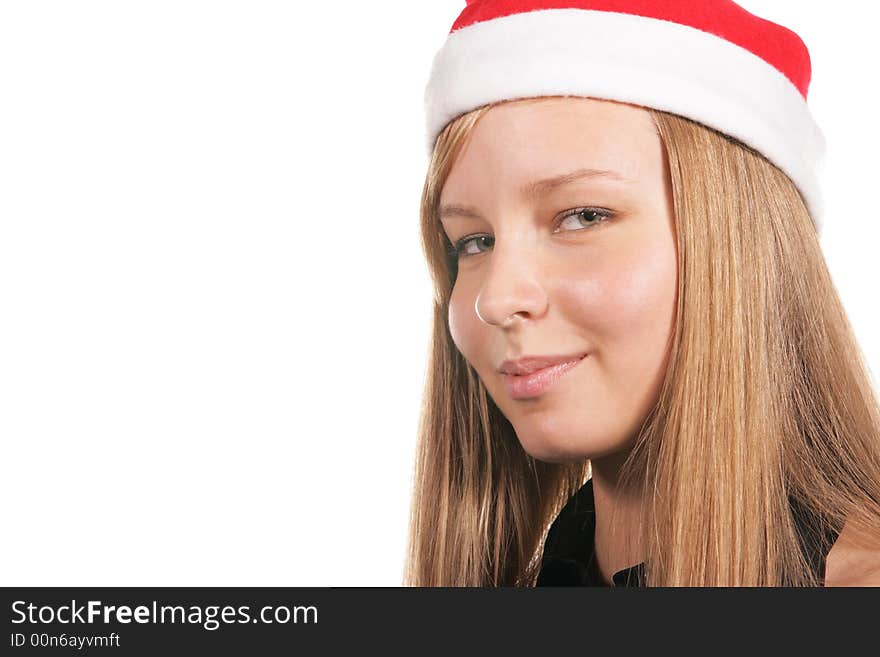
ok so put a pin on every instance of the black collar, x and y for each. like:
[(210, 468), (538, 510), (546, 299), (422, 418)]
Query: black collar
[(569, 557)]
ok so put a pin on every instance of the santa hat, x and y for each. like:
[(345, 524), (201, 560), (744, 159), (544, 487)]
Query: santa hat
[(711, 61)]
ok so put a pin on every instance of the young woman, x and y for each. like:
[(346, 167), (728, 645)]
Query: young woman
[(637, 344)]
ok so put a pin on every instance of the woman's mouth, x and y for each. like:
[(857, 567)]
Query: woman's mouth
[(537, 383)]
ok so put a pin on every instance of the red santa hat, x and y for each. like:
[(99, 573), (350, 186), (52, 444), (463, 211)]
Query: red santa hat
[(711, 61)]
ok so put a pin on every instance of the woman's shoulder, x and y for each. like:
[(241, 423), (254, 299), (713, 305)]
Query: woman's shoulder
[(854, 559)]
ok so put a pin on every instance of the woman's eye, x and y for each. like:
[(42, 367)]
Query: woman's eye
[(580, 219), (460, 249), (585, 217)]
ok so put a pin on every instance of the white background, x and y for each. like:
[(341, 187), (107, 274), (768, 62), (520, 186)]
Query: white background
[(214, 310)]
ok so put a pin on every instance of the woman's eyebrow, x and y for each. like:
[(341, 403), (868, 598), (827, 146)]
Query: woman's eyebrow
[(541, 187)]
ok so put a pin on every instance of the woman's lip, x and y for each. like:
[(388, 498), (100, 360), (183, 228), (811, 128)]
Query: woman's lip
[(538, 382)]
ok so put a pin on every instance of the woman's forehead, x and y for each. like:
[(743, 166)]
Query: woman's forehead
[(521, 142)]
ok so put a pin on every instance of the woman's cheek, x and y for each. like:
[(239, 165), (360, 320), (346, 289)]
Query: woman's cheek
[(462, 323), (621, 298)]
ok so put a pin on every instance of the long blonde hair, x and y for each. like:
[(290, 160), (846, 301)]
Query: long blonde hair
[(766, 400)]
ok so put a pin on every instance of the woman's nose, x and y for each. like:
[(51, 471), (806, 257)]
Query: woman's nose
[(512, 287)]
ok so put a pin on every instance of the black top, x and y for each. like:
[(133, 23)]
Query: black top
[(569, 558)]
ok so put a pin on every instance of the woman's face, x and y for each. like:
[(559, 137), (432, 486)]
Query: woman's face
[(586, 266)]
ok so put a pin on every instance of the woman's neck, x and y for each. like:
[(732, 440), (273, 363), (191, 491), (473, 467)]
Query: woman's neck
[(617, 518)]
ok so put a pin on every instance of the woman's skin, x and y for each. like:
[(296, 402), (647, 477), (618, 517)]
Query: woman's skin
[(605, 287), (854, 560)]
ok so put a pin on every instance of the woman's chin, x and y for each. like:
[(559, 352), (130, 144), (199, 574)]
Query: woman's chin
[(550, 452), (552, 448)]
